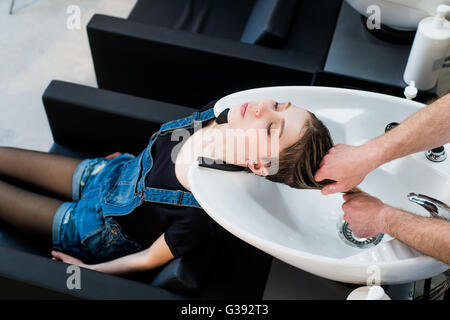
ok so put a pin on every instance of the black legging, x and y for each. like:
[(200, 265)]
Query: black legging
[(27, 210)]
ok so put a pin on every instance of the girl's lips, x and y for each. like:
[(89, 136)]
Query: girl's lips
[(243, 109)]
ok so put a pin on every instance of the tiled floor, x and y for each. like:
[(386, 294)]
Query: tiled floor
[(36, 46)]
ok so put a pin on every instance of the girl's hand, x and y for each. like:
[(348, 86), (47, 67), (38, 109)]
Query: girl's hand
[(113, 155), (59, 256)]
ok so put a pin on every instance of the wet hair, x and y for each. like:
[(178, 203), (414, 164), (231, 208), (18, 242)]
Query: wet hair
[(298, 163)]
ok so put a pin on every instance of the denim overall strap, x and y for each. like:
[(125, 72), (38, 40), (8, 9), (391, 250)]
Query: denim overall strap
[(174, 197), (186, 122), (165, 196)]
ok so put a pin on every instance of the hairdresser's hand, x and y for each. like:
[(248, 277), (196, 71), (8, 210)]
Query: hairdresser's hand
[(59, 256), (113, 155), (347, 165), (365, 214)]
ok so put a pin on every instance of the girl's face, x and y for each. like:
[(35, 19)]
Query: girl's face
[(282, 121)]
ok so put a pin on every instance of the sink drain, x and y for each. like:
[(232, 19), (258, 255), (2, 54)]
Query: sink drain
[(346, 234)]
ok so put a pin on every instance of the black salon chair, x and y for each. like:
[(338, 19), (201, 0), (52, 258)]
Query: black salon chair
[(90, 122), (191, 52)]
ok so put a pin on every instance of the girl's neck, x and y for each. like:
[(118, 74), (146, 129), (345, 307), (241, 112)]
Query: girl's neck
[(214, 146)]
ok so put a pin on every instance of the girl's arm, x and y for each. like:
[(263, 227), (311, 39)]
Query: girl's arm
[(157, 255)]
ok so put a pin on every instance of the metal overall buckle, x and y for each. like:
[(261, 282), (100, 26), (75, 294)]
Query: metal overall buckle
[(153, 136)]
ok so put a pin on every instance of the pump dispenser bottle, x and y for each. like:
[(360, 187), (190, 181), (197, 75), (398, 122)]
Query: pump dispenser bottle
[(429, 50)]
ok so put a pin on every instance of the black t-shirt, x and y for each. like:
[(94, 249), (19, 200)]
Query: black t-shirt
[(184, 228)]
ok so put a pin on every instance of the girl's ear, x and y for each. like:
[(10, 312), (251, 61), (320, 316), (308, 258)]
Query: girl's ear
[(258, 168)]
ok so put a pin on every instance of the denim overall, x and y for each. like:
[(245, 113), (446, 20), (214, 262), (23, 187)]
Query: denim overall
[(103, 189)]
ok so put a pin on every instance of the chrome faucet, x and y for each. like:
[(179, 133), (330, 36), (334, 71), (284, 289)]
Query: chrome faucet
[(436, 208), (437, 154)]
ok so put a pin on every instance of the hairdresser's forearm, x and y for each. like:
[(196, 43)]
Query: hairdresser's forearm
[(430, 236), (427, 129)]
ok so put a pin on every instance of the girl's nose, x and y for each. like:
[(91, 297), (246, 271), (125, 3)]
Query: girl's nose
[(258, 111)]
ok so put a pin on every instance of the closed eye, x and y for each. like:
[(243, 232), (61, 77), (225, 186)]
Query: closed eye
[(275, 106), (269, 128)]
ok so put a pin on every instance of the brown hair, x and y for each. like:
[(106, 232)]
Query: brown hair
[(298, 163)]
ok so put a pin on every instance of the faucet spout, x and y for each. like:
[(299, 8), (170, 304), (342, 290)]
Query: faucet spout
[(436, 208)]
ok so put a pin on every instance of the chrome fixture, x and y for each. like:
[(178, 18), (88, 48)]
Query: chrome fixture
[(346, 235), (436, 208), (390, 126), (437, 154)]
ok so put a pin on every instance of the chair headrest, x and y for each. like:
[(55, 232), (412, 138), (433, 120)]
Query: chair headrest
[(269, 22)]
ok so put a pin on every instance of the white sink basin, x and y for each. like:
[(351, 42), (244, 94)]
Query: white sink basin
[(399, 14), (300, 227)]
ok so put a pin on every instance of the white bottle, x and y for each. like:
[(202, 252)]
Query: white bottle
[(368, 293), (430, 48), (410, 91)]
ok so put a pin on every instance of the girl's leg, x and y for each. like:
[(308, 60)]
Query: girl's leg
[(26, 210), (50, 171)]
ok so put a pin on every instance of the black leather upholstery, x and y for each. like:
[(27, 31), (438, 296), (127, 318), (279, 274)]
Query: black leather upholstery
[(217, 18), (185, 274), (270, 22)]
